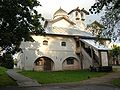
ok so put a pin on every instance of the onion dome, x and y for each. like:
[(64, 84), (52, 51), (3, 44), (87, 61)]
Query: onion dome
[(60, 13)]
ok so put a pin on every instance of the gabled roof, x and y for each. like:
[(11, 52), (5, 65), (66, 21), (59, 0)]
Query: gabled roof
[(77, 9), (98, 24), (60, 18), (86, 12)]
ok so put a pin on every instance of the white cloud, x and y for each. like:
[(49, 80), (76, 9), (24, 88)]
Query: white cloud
[(50, 6)]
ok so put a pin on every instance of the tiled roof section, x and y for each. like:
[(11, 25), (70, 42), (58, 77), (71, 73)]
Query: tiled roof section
[(67, 31)]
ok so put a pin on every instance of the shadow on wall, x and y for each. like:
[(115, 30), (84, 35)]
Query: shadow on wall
[(29, 52)]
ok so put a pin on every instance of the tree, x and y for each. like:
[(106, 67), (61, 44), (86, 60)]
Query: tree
[(115, 53), (112, 14), (18, 19), (7, 61)]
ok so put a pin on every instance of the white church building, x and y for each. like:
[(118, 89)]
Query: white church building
[(66, 45)]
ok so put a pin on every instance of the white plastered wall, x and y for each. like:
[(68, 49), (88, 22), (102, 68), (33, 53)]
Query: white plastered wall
[(62, 23), (54, 51)]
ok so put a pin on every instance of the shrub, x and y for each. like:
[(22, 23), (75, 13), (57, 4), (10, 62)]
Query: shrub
[(7, 61)]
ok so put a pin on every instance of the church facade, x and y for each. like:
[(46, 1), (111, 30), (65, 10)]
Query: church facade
[(66, 45)]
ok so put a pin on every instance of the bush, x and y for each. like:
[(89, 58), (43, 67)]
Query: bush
[(7, 61), (101, 69)]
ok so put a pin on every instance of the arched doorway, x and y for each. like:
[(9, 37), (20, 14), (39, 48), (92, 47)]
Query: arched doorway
[(43, 64), (70, 63)]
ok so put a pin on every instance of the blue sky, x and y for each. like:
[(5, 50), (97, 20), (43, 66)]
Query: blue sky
[(50, 6)]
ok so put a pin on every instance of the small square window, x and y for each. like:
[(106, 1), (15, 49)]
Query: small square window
[(45, 42), (63, 43), (70, 61)]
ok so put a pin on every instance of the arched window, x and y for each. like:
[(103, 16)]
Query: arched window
[(45, 42), (63, 43), (70, 61)]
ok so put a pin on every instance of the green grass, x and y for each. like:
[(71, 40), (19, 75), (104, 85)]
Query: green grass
[(61, 76), (5, 80), (116, 82)]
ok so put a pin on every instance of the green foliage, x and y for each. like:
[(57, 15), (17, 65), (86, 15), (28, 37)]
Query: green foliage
[(111, 17), (2, 70), (5, 80), (61, 76), (116, 82), (115, 52), (100, 4), (7, 61), (17, 19)]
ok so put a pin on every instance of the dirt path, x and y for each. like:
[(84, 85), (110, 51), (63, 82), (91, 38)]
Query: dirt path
[(102, 80)]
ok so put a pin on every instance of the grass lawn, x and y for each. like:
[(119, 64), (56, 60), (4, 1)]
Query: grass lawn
[(116, 82), (5, 80), (61, 76)]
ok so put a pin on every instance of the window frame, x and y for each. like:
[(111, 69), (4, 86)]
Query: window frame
[(63, 44), (45, 42), (70, 61)]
